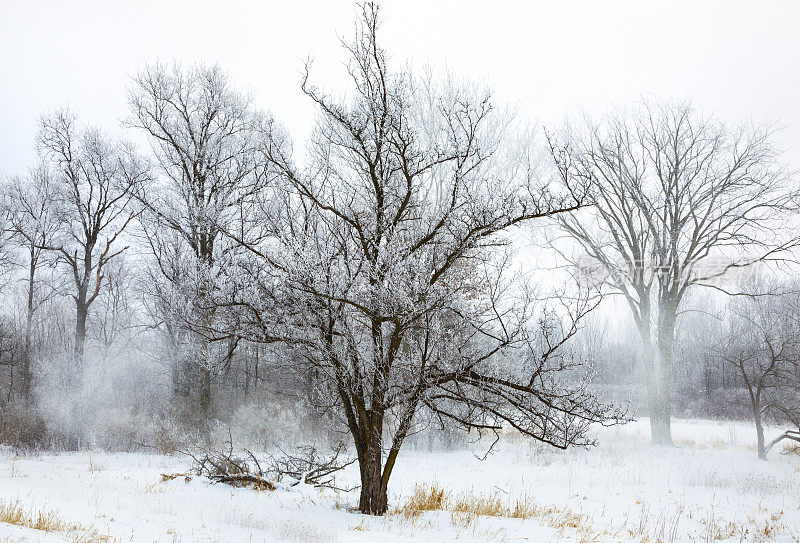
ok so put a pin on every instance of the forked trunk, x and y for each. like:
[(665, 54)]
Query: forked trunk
[(659, 418), (373, 499)]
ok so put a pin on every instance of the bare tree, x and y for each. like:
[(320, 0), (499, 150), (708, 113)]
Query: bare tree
[(34, 225), (208, 142), (680, 200), (93, 181), (385, 270), (762, 344)]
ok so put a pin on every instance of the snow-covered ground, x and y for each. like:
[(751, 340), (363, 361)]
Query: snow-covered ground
[(710, 487)]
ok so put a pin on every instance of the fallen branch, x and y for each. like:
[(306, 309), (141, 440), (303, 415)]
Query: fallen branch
[(246, 479), (309, 467), (305, 466), (793, 435)]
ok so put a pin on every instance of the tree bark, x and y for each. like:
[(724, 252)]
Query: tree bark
[(373, 499), (81, 313), (662, 430), (762, 453)]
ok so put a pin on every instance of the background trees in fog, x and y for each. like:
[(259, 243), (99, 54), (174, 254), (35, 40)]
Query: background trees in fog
[(30, 204), (762, 345), (208, 142), (679, 201), (94, 178)]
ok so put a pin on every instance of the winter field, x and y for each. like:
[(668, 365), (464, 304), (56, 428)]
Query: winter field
[(711, 487)]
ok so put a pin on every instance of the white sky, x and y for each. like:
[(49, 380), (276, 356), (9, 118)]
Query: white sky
[(548, 58)]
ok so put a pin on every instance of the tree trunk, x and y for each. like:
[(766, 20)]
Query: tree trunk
[(659, 429), (373, 499), (653, 403), (762, 453), (662, 434), (205, 364), (204, 393), (81, 313), (661, 420), (28, 354), (754, 390)]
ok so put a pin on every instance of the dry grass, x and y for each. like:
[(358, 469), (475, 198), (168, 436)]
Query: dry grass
[(49, 522), (481, 505), (761, 527), (425, 498), (360, 527), (467, 507)]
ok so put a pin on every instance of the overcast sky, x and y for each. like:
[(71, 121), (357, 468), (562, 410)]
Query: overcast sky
[(548, 59)]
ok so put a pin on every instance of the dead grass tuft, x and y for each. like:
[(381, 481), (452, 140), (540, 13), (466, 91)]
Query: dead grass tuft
[(467, 507), (49, 522), (425, 498), (482, 505)]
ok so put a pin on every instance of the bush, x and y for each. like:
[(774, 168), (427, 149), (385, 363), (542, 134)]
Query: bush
[(22, 429)]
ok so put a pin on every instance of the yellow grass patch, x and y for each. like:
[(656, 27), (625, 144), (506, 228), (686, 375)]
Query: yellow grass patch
[(48, 521), (425, 498), (467, 507)]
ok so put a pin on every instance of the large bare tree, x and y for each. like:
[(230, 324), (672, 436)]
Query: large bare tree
[(385, 269), (680, 200)]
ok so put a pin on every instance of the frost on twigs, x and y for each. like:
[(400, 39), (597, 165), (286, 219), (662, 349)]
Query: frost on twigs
[(306, 465)]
